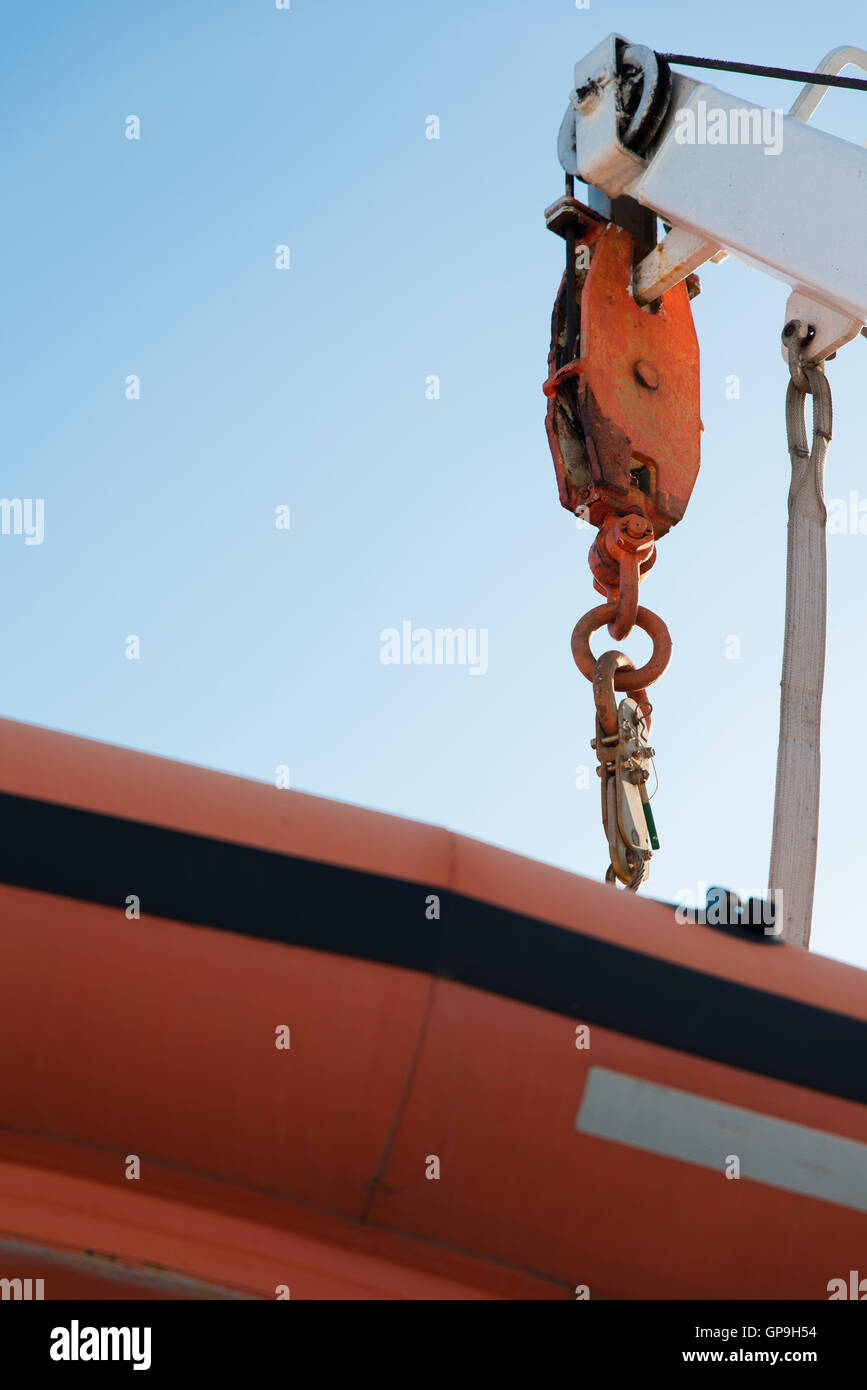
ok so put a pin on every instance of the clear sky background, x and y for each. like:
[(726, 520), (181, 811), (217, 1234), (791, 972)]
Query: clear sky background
[(306, 387)]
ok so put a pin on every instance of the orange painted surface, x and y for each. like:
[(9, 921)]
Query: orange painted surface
[(306, 1167), (496, 1094)]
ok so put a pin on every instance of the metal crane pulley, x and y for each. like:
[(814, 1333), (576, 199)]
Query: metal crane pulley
[(623, 381)]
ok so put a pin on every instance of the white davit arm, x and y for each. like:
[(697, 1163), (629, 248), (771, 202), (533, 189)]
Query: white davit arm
[(727, 177)]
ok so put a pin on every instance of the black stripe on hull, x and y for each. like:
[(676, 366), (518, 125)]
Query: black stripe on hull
[(279, 897)]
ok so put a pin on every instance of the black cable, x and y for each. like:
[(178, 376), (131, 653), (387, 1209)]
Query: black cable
[(787, 74)]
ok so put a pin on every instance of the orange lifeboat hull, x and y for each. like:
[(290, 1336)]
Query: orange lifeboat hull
[(263, 1045)]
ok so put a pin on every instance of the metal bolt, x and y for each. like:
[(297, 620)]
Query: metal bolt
[(636, 526), (647, 374), (794, 327)]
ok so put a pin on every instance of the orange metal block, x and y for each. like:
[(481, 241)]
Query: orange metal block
[(636, 396)]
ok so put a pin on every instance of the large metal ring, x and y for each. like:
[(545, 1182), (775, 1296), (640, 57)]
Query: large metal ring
[(624, 679)]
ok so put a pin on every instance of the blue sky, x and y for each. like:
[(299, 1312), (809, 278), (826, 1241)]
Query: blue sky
[(306, 387)]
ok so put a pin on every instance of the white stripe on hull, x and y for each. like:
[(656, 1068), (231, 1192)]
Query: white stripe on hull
[(678, 1124)]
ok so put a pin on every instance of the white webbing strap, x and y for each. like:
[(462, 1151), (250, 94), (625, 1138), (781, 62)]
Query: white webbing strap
[(796, 807)]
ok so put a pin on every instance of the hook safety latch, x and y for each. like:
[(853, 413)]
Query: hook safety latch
[(624, 752)]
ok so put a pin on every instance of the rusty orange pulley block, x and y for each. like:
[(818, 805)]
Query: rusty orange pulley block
[(624, 429)]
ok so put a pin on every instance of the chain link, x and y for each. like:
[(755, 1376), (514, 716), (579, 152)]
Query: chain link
[(621, 742)]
